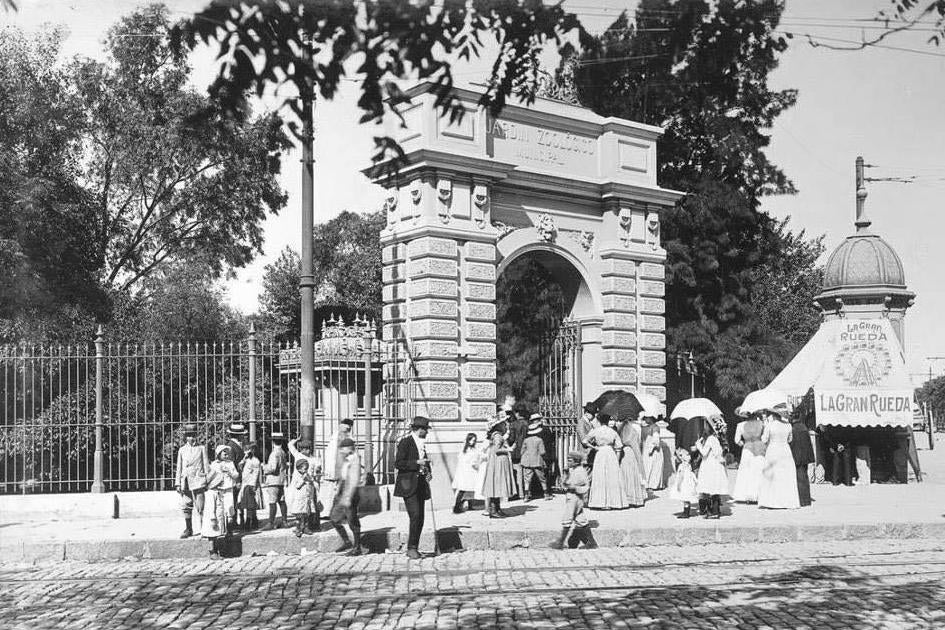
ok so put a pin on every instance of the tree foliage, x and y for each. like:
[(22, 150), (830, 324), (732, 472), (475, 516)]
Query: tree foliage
[(262, 45), (932, 393), (700, 70)]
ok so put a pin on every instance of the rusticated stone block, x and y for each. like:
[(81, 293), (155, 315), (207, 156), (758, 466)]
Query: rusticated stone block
[(618, 376), (479, 391), (433, 329), (619, 357), (618, 267), (394, 312), (654, 341), (432, 246), (395, 252), (432, 267), (654, 377), (653, 305), (617, 302), (479, 411), (619, 321), (658, 392), (432, 287), (481, 350), (652, 271), (394, 292), (479, 291), (617, 284), (441, 411), (441, 370), (479, 330), (435, 390), (618, 339), (393, 273), (653, 322), (479, 271), (480, 251), (433, 308), (479, 310), (435, 349), (652, 358), (476, 371), (652, 287)]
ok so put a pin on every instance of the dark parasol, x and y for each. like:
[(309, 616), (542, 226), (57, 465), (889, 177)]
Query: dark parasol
[(619, 405)]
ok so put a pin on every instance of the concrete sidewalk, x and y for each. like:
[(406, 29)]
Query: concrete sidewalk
[(51, 527)]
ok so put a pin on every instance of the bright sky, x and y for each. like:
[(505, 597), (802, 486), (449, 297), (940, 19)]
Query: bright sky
[(883, 104)]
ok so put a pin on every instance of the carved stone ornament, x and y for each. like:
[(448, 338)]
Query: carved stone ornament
[(416, 191), (625, 221), (444, 194), (503, 228), (653, 229), (547, 230), (587, 240), (480, 199), (390, 203)]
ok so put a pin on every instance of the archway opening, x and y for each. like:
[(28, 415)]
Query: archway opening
[(539, 295)]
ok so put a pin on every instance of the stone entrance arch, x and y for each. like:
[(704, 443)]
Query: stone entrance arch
[(475, 194)]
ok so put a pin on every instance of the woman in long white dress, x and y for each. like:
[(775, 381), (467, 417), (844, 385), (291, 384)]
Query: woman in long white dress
[(751, 467), (652, 456), (607, 487), (778, 488), (632, 464), (712, 480)]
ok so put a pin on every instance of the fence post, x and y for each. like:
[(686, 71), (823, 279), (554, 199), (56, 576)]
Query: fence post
[(368, 404), (252, 383), (98, 481)]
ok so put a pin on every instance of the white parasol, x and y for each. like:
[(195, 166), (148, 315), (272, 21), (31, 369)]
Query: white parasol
[(694, 408), (652, 407), (766, 400)]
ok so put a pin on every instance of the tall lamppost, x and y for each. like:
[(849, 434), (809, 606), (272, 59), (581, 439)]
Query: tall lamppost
[(307, 278), (686, 361)]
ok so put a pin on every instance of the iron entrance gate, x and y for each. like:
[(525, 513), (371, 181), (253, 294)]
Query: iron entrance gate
[(559, 400)]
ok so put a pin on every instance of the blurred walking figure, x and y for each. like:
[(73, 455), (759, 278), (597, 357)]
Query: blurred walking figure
[(576, 487), (193, 466), (347, 497)]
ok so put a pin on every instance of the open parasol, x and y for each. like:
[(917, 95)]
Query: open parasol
[(694, 408), (765, 400), (619, 405), (652, 407)]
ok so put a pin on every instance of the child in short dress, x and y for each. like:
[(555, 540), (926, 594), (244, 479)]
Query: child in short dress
[(302, 499), (218, 510), (577, 485), (250, 487), (466, 480), (682, 485)]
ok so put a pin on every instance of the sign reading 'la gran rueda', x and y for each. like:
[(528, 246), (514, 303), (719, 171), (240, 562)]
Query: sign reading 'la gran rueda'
[(543, 148)]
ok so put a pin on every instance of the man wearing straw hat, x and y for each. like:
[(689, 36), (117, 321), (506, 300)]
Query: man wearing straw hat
[(193, 466), (413, 483)]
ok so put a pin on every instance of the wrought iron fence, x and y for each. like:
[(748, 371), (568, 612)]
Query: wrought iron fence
[(560, 397), (125, 404)]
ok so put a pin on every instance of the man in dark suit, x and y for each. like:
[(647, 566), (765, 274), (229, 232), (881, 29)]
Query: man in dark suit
[(413, 468), (803, 451)]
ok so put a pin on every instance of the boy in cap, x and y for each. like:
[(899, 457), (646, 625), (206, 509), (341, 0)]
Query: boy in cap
[(193, 466), (344, 505), (576, 485), (274, 479), (533, 457)]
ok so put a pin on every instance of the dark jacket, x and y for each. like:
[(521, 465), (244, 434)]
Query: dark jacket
[(801, 446), (548, 437), (519, 431), (687, 432), (410, 480)]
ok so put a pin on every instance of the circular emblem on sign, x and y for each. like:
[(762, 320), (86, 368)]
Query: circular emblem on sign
[(863, 365)]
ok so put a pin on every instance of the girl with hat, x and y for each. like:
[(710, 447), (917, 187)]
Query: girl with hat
[(533, 457), (498, 482), (219, 506), (682, 485), (712, 481)]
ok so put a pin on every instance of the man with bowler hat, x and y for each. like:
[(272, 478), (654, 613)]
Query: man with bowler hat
[(412, 483), (193, 466)]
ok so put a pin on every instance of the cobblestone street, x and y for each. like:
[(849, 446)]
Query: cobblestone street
[(861, 584)]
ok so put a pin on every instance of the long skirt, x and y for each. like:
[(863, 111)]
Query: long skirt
[(607, 486), (631, 476), (653, 469), (217, 509), (779, 480), (498, 482), (748, 480), (803, 485)]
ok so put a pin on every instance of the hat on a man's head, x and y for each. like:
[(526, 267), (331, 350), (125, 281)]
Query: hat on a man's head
[(345, 443), (347, 421), (591, 408), (419, 422), (190, 429), (534, 424), (236, 428), (277, 436)]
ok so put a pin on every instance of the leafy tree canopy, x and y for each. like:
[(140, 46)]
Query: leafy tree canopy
[(263, 44)]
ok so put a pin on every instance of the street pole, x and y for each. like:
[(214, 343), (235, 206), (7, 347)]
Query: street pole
[(98, 473), (692, 376), (307, 279), (369, 404), (252, 383)]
